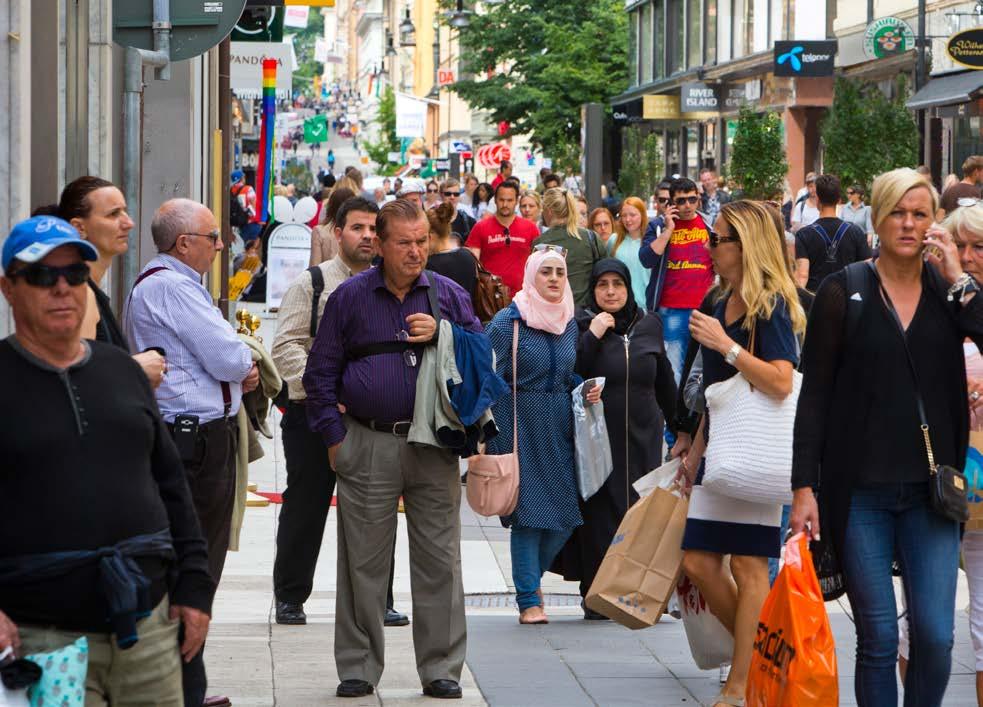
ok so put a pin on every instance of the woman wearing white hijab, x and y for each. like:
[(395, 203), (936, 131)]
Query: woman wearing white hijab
[(547, 511)]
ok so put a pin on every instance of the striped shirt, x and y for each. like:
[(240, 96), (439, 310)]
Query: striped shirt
[(380, 387), (172, 310), (292, 344)]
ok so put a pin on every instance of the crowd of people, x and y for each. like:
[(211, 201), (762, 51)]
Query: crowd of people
[(867, 313)]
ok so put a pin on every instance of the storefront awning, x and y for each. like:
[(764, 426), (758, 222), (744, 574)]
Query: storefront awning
[(947, 90)]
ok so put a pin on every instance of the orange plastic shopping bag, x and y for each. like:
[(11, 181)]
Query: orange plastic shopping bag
[(794, 661)]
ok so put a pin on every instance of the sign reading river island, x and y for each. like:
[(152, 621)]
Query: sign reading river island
[(966, 48)]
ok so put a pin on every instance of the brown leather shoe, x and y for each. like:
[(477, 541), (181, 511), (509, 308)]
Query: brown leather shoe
[(217, 701)]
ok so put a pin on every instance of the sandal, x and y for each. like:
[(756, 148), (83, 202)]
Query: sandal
[(723, 699), (539, 616)]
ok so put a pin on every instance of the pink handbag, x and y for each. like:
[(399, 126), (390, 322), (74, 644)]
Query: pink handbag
[(493, 479)]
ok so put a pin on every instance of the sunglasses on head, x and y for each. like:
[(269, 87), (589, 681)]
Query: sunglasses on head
[(716, 240), (39, 275), (968, 201), (683, 200), (549, 248)]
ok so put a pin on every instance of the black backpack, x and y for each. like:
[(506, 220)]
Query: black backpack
[(238, 216)]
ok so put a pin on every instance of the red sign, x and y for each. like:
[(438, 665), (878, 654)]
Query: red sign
[(492, 156), (445, 77)]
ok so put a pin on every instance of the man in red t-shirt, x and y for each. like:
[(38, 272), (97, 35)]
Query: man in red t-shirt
[(685, 269), (504, 172), (503, 243)]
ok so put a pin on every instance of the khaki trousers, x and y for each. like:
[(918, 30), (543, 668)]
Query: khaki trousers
[(374, 469), (148, 673)]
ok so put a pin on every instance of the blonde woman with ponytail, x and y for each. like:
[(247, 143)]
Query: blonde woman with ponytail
[(749, 256), (581, 247)]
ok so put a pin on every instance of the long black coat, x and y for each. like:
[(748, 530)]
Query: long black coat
[(639, 394)]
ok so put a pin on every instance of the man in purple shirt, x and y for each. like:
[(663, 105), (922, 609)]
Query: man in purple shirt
[(364, 362)]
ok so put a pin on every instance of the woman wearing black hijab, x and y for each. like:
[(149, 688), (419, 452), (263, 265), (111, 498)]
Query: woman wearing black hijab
[(623, 343)]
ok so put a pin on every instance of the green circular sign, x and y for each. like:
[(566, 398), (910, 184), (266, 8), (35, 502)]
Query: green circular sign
[(196, 25), (888, 36)]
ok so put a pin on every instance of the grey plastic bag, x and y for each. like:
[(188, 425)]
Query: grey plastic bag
[(590, 435)]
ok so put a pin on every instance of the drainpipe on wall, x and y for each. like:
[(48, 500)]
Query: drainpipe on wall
[(133, 65)]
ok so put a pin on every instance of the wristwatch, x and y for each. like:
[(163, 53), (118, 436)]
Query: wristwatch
[(964, 286), (731, 356)]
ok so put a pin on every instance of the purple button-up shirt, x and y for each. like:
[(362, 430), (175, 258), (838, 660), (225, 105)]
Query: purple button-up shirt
[(380, 387)]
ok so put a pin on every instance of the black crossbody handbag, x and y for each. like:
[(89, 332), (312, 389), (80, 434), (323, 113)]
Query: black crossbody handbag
[(946, 485)]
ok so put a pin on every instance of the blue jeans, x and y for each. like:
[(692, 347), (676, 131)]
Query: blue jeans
[(885, 522), (533, 550), (675, 332), (773, 561)]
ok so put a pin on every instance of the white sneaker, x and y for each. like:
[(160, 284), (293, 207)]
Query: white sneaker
[(724, 673)]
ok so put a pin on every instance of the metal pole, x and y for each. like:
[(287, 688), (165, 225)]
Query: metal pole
[(922, 41), (135, 60), (225, 125)]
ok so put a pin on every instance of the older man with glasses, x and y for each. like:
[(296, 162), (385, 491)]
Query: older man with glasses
[(450, 190), (365, 361), (209, 370)]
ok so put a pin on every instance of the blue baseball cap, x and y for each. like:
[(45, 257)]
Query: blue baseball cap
[(35, 237), (237, 175)]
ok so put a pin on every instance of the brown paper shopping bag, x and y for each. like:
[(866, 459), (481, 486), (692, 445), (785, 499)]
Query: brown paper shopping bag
[(642, 564)]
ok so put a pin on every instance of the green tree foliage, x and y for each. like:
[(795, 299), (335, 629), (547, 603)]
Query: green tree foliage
[(532, 63), (757, 160), (866, 133), (385, 121), (641, 163)]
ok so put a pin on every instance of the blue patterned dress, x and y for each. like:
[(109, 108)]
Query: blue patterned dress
[(547, 479)]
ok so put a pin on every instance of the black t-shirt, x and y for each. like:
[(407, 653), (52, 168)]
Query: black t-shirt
[(88, 462), (825, 258), (458, 265), (107, 328)]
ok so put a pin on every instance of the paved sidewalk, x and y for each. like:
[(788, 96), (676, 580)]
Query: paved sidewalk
[(568, 663)]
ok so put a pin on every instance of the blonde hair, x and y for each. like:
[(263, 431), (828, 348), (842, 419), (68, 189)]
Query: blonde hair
[(765, 265), (619, 228), (890, 188), (965, 218), (561, 205), (348, 183)]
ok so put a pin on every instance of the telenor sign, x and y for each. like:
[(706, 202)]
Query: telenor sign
[(966, 48), (807, 58)]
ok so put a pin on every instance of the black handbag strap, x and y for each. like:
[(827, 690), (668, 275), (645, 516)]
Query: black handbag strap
[(317, 281), (922, 417)]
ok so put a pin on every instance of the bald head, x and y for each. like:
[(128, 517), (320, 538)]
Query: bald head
[(176, 217)]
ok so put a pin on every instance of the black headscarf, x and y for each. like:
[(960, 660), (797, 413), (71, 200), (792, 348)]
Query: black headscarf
[(626, 316)]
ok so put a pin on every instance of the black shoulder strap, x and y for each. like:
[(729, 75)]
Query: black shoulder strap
[(433, 294), (317, 279), (856, 288)]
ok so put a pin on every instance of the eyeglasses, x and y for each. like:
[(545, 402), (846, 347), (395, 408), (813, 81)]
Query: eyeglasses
[(449, 194), (662, 199), (38, 275), (716, 240), (508, 239), (431, 191), (683, 200), (549, 248), (409, 355), (214, 235)]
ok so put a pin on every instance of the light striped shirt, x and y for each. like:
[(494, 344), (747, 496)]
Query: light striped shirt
[(172, 310)]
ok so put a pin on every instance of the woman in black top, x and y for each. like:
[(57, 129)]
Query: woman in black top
[(858, 437), (447, 258), (622, 343), (97, 210)]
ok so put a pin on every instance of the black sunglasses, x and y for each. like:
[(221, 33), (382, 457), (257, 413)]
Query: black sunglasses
[(683, 200), (431, 191), (508, 239), (716, 240), (663, 199), (38, 275), (449, 194)]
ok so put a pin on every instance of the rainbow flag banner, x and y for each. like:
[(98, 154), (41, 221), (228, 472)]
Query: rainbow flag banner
[(264, 170)]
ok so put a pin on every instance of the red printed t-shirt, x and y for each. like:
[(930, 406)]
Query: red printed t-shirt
[(506, 261), (689, 273)]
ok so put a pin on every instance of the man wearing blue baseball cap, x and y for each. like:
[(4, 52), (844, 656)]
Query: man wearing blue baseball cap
[(109, 548)]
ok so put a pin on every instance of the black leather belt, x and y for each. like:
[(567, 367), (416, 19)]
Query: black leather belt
[(400, 429)]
